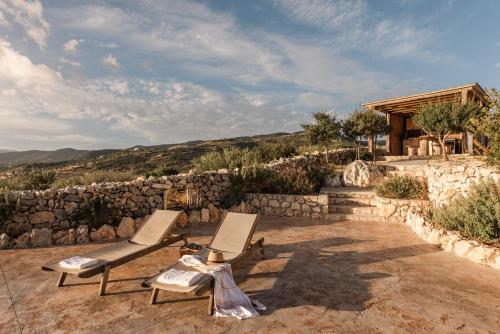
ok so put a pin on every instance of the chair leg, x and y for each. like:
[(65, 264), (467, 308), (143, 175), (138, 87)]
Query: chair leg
[(185, 239), (211, 298), (62, 277), (261, 246), (154, 295), (104, 280)]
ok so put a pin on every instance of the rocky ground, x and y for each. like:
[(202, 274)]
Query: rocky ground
[(319, 277)]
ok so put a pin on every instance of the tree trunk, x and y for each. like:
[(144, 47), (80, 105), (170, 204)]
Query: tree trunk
[(374, 147), (443, 147), (326, 154), (370, 144), (358, 148)]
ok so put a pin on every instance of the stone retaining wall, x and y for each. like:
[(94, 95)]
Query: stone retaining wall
[(396, 210), (453, 242), (313, 206), (445, 180), (43, 217)]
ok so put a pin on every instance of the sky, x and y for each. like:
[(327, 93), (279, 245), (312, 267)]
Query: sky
[(114, 74)]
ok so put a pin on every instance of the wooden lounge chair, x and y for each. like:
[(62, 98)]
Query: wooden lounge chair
[(153, 235), (233, 239)]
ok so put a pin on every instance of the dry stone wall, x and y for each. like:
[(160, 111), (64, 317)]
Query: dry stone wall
[(313, 206), (453, 242), (445, 180), (42, 218), (396, 210)]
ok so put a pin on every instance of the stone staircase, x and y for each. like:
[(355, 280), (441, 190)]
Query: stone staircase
[(352, 203)]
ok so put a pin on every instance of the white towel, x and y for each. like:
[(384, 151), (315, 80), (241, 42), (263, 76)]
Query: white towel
[(78, 262), (229, 300), (180, 277)]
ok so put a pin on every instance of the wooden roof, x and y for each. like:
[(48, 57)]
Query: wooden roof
[(412, 103)]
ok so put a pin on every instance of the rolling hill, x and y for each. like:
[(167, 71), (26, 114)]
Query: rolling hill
[(137, 159)]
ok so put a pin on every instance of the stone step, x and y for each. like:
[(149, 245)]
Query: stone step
[(354, 217), (370, 194), (358, 210), (332, 201)]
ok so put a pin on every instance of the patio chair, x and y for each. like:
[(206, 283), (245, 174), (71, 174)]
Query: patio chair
[(153, 235), (233, 239)]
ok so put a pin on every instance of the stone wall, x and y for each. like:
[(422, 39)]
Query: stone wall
[(453, 242), (45, 217), (396, 210), (445, 180), (313, 206)]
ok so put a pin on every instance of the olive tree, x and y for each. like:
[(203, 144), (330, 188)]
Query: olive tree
[(488, 124), (444, 118), (325, 131), (365, 123)]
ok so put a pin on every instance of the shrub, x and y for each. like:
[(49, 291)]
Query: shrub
[(235, 194), (6, 206), (162, 171), (97, 211), (475, 216), (293, 181), (210, 161), (402, 187), (366, 156), (39, 179), (234, 157)]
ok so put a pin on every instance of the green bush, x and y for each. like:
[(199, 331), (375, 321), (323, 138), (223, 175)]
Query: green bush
[(6, 207), (210, 161), (402, 187), (293, 181), (39, 179), (97, 211), (234, 157), (162, 171), (475, 216), (366, 156)]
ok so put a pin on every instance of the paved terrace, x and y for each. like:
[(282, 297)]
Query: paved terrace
[(343, 277)]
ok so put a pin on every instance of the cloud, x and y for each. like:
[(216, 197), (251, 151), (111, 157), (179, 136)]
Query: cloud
[(111, 62), (71, 45), (28, 15), (497, 65), (353, 25), (65, 60), (323, 13), (39, 101)]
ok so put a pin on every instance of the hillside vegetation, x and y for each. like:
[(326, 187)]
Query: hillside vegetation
[(82, 165)]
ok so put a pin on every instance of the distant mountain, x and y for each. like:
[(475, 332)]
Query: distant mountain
[(12, 158), (6, 151), (138, 158)]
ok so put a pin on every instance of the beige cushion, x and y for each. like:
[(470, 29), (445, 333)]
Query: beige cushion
[(234, 233), (156, 227)]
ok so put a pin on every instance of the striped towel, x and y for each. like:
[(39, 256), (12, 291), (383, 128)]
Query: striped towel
[(229, 300)]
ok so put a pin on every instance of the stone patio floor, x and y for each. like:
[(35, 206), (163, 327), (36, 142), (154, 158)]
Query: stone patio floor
[(319, 277)]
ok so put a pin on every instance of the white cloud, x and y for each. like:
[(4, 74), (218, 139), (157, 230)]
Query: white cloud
[(111, 62), (65, 60), (27, 14), (353, 25), (71, 45), (323, 13), (39, 101)]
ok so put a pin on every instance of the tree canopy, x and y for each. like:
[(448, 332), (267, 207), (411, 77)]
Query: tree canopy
[(325, 131), (443, 118)]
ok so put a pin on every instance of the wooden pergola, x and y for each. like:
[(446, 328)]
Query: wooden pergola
[(405, 139)]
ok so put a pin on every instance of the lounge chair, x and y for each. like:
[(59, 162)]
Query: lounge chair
[(153, 235), (233, 239)]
